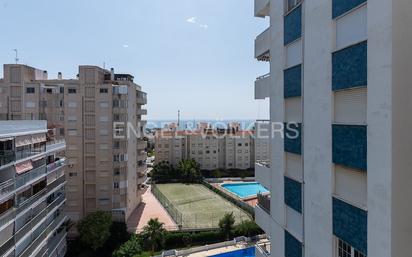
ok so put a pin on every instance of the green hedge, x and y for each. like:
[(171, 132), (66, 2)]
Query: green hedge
[(244, 206)]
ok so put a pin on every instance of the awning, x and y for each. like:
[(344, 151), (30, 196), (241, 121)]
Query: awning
[(39, 138), (23, 167), (23, 140), (6, 139)]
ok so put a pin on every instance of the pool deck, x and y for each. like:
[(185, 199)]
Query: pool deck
[(149, 208), (215, 251)]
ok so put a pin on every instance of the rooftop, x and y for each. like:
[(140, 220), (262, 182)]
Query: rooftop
[(15, 128)]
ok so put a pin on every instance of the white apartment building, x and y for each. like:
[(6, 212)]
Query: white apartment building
[(104, 171), (211, 149), (32, 196), (340, 70)]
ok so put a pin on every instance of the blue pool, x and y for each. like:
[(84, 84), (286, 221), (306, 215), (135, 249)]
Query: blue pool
[(247, 252), (244, 190)]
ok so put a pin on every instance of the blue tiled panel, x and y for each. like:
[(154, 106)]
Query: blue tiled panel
[(293, 25), (292, 144), (349, 67), (293, 194), (350, 224), (293, 248), (292, 81), (340, 7), (349, 146)]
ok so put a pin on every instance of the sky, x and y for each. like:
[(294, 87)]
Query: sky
[(195, 56)]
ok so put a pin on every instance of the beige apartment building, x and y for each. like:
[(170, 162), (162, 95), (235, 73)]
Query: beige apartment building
[(212, 149), (104, 170)]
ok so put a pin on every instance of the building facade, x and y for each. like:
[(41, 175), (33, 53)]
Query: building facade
[(104, 168), (32, 190), (339, 76), (211, 148)]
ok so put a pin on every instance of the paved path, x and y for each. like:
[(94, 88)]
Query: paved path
[(149, 208)]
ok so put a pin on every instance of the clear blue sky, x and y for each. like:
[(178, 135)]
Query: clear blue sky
[(192, 55)]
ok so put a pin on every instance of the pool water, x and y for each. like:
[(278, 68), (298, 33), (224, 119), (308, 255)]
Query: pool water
[(244, 190), (247, 252)]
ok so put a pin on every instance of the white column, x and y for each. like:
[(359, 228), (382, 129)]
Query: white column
[(317, 132)]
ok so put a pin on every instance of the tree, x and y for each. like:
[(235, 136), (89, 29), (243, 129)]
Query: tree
[(226, 224), (189, 169), (94, 229), (162, 171), (130, 248), (154, 234), (247, 228)]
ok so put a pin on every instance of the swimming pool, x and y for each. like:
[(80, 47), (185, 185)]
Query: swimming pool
[(247, 252), (244, 190)]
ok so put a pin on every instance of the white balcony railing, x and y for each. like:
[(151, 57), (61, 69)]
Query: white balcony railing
[(262, 8), (262, 173), (262, 46), (262, 87), (262, 249), (263, 219)]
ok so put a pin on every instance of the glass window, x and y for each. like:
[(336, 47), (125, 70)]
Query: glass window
[(30, 90)]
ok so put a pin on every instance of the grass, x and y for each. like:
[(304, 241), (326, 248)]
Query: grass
[(200, 207)]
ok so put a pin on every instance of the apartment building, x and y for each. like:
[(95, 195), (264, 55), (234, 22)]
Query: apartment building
[(92, 112), (339, 70), (32, 196), (212, 149)]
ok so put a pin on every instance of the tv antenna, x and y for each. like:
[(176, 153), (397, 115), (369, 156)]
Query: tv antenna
[(17, 55)]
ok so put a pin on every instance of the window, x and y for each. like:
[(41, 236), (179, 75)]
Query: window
[(61, 89), (346, 250), (71, 90), (73, 174), (104, 90), (115, 184), (30, 90)]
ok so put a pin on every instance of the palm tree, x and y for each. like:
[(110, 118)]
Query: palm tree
[(226, 224), (154, 232)]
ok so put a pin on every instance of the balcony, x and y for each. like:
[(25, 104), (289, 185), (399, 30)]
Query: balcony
[(31, 176), (141, 111), (54, 146), (6, 188), (141, 98), (7, 157), (262, 173), (262, 8), (262, 213), (262, 46), (55, 165), (262, 87), (262, 249)]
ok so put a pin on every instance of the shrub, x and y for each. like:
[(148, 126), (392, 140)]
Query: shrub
[(130, 248)]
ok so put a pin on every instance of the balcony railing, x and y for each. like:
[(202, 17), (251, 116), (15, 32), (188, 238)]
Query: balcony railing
[(262, 46), (262, 8), (7, 217), (55, 145), (52, 166), (264, 202), (263, 249), (6, 187), (262, 87), (51, 227), (30, 176), (7, 157), (262, 173)]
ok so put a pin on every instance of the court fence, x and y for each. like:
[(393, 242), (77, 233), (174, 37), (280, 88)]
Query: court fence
[(198, 221)]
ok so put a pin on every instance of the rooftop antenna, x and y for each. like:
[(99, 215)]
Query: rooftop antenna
[(178, 118), (17, 55)]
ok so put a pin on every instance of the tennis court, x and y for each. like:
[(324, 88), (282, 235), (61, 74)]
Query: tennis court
[(197, 206)]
